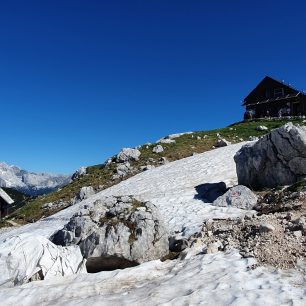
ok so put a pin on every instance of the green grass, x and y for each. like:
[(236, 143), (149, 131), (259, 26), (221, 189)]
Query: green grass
[(184, 146)]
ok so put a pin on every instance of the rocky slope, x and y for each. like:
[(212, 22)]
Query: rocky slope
[(129, 162), (221, 261), (29, 182), (229, 245)]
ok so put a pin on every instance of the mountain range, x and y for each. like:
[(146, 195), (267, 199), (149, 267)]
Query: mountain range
[(29, 182)]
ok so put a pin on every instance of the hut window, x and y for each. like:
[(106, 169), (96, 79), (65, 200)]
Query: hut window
[(278, 92)]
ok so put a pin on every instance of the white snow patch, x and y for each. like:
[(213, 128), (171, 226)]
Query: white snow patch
[(216, 279)]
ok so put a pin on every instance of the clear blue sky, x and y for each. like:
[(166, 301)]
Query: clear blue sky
[(81, 79)]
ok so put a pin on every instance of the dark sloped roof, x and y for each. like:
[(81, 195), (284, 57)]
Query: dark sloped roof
[(6, 197), (268, 78)]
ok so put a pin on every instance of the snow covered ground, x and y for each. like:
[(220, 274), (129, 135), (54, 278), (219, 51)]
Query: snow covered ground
[(217, 279), (220, 279), (170, 187)]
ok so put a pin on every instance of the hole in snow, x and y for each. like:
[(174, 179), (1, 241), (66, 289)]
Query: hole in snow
[(108, 263)]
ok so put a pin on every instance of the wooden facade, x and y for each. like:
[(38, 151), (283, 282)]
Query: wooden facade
[(272, 98), (5, 202)]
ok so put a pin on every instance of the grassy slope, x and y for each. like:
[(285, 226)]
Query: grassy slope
[(184, 146)]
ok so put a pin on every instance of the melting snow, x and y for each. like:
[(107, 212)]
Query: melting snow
[(220, 279)]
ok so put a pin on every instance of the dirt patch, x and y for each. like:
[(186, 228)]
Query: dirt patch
[(276, 236)]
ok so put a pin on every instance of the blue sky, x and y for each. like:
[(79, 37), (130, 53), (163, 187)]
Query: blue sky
[(81, 79)]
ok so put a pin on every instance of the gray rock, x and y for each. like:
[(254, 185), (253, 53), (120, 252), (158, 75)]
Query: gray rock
[(166, 140), (253, 138), (213, 248), (177, 245), (266, 228), (163, 161), (117, 226), (158, 149), (147, 167), (47, 205), (279, 158), (123, 169), (222, 143), (80, 172), (86, 192), (261, 128), (298, 234), (128, 154), (239, 197)]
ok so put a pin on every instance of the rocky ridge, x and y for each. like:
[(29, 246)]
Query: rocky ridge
[(29, 182)]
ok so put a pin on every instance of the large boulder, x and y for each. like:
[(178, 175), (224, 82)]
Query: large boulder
[(28, 257), (222, 143), (124, 169), (128, 154), (238, 197), (158, 149), (117, 227), (86, 192), (278, 158)]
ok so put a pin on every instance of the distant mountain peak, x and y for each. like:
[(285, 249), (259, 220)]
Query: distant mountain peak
[(12, 176)]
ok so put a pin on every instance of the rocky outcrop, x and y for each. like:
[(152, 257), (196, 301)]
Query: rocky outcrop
[(124, 169), (31, 257), (222, 143), (128, 154), (158, 149), (80, 172), (117, 226), (86, 192), (239, 197), (278, 158)]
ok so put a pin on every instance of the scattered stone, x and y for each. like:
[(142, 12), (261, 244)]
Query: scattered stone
[(158, 149), (239, 197), (298, 234), (86, 192), (253, 138), (163, 161), (80, 172), (123, 169), (261, 128), (222, 143), (212, 248), (128, 154), (266, 228), (47, 205), (167, 140), (147, 167), (177, 245)]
